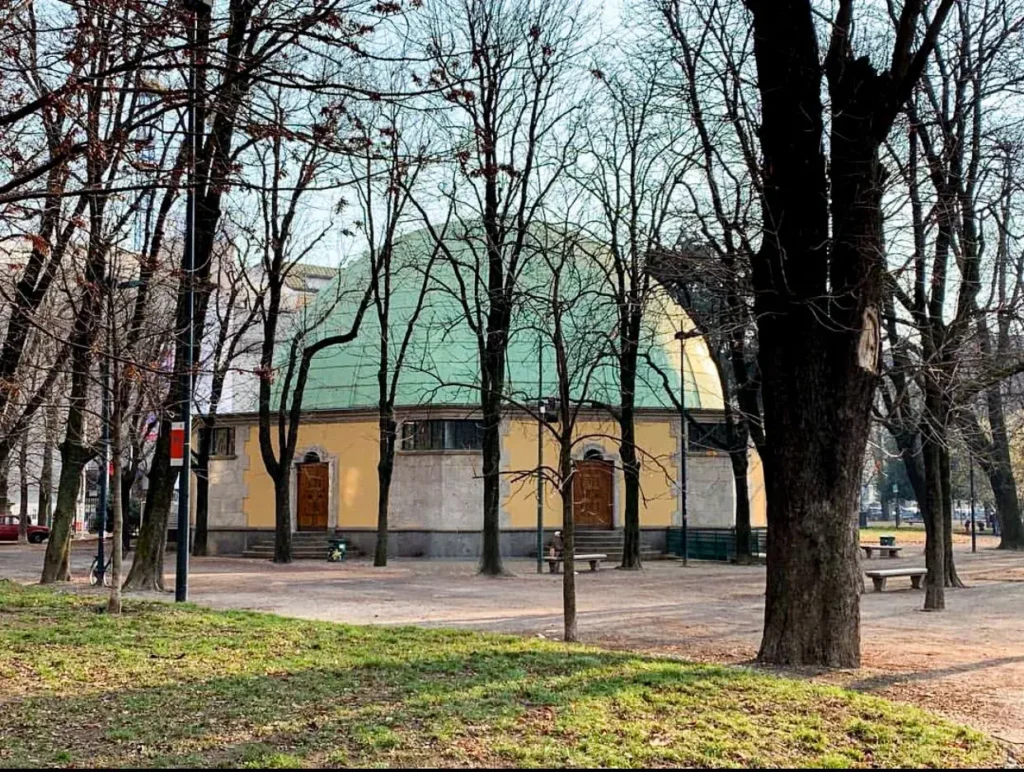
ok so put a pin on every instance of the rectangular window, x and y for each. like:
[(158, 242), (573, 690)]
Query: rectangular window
[(223, 442), (441, 435), (709, 438)]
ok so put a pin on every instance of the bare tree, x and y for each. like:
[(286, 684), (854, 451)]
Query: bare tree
[(502, 68), (818, 276)]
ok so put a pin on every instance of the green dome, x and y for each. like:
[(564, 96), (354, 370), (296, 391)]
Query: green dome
[(441, 360)]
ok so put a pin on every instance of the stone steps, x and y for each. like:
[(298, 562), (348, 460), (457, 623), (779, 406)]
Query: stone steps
[(306, 545)]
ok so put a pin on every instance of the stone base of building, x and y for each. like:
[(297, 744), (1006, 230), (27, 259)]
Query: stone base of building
[(518, 543)]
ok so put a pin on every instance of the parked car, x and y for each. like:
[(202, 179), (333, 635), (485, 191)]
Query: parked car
[(37, 534)]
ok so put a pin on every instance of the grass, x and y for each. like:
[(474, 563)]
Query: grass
[(181, 686)]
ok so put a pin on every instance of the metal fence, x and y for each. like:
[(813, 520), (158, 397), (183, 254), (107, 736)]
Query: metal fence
[(713, 543)]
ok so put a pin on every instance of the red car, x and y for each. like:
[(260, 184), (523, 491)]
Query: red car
[(37, 534)]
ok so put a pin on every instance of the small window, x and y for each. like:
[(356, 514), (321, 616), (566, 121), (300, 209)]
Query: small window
[(441, 435), (709, 438), (223, 442)]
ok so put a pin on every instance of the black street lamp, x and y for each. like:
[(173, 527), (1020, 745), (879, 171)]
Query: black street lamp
[(199, 13), (684, 431)]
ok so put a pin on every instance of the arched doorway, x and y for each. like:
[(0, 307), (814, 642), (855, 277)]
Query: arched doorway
[(312, 494), (592, 491)]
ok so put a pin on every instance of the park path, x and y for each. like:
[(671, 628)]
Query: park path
[(966, 663)]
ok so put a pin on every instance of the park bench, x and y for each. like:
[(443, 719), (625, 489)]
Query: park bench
[(554, 564), (893, 552), (879, 576)]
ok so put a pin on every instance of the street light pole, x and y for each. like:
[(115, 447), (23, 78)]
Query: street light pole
[(684, 434), (199, 11), (540, 456), (974, 533)]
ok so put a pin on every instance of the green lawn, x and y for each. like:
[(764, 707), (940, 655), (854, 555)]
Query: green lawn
[(179, 686)]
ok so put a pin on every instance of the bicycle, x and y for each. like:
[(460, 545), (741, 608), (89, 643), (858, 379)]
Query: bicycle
[(94, 574)]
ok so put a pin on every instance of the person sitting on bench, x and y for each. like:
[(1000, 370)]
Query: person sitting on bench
[(555, 546)]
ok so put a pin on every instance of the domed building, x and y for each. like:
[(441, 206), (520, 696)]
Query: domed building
[(436, 501)]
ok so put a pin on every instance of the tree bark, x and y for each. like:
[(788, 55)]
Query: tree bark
[(740, 465), (283, 513), (23, 489), (951, 578), (934, 550), (46, 473), (385, 469), (566, 471), (117, 505), (199, 544), (630, 320), (147, 571), (73, 458)]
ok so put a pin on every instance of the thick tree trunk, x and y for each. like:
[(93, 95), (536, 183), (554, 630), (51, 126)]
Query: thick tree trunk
[(385, 468), (283, 515), (199, 544), (490, 557), (935, 549), (73, 457), (951, 578), (23, 489), (631, 478), (740, 464), (1004, 490), (629, 322), (147, 571)]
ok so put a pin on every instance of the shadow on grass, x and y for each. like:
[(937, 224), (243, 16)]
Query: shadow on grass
[(167, 686)]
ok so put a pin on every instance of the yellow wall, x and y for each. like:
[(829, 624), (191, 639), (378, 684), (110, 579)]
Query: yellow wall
[(657, 484), (353, 443), (755, 486)]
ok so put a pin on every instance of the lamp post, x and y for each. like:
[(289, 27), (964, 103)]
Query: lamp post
[(540, 457), (974, 532), (684, 431), (199, 12)]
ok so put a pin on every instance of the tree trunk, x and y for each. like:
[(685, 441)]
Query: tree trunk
[(46, 473), (385, 468), (1004, 490), (631, 478), (934, 550), (73, 458), (951, 578), (490, 557), (630, 320), (5, 473), (740, 464), (147, 571), (23, 489), (199, 543), (117, 504), (283, 515)]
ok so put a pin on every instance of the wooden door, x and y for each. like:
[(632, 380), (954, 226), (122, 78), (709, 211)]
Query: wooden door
[(592, 492), (313, 496)]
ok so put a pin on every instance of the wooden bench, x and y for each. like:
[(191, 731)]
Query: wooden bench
[(880, 576), (594, 560), (894, 552)]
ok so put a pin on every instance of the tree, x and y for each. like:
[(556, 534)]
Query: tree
[(632, 168), (818, 276), (709, 269), (501, 69)]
